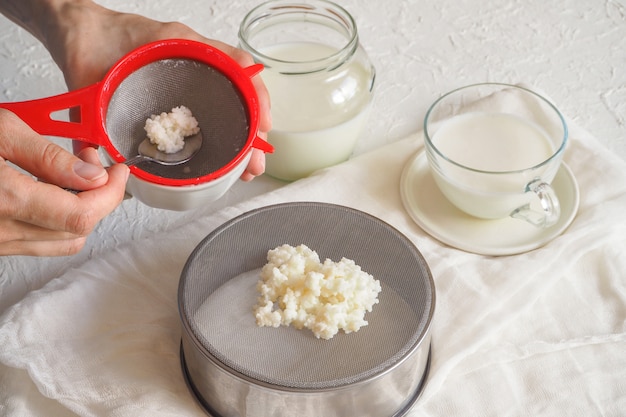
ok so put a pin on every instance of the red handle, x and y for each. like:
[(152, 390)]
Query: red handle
[(37, 114)]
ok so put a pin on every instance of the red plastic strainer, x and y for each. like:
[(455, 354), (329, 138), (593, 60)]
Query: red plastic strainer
[(152, 79)]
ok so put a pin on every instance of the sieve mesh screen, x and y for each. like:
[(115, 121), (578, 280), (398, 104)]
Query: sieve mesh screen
[(217, 295), (164, 84)]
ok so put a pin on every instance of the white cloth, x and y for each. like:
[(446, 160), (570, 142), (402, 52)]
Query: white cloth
[(536, 334)]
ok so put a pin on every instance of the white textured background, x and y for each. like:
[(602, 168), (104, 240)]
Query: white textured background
[(573, 50)]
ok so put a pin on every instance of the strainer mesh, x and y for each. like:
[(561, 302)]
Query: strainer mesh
[(164, 84), (295, 358)]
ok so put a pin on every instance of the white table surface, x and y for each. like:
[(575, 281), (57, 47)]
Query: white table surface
[(573, 50)]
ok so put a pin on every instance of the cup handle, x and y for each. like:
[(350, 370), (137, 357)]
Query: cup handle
[(550, 210)]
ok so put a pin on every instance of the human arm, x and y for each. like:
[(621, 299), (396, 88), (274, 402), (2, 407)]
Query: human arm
[(38, 216), (86, 39)]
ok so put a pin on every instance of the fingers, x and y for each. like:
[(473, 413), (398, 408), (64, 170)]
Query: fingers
[(265, 124), (12, 230), (41, 219), (256, 166), (56, 209), (19, 238), (44, 159), (244, 59), (42, 248)]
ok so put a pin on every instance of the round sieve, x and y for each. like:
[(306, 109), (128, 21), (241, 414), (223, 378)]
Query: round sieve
[(153, 79), (217, 294)]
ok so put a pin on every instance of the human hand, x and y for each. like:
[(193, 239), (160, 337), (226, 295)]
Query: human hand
[(90, 39), (40, 218)]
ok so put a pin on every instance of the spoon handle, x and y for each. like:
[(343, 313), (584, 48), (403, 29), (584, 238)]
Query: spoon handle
[(135, 160)]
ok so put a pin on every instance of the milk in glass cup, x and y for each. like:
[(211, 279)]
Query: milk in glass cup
[(494, 149), (319, 78)]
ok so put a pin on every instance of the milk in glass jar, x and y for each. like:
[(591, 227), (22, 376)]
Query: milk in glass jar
[(319, 78)]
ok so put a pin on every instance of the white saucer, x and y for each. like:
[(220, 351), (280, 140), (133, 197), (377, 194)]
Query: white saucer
[(438, 217)]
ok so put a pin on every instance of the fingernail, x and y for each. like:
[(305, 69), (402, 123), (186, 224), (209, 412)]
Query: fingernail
[(127, 172), (89, 171)]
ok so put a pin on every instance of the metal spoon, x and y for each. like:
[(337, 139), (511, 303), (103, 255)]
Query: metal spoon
[(149, 152)]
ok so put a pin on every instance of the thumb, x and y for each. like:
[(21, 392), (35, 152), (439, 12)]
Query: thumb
[(46, 160)]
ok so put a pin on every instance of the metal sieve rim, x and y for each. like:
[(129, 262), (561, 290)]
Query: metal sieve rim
[(208, 409), (415, 343)]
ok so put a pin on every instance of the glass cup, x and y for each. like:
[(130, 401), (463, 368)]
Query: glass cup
[(494, 149), (319, 78)]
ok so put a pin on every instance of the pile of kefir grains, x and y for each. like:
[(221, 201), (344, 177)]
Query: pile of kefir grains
[(297, 289), (169, 130)]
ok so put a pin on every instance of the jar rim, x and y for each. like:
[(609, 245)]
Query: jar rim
[(261, 17)]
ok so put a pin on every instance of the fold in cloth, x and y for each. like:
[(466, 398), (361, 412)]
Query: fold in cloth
[(539, 333)]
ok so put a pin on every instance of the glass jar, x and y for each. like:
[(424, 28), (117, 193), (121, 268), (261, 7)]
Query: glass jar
[(319, 78)]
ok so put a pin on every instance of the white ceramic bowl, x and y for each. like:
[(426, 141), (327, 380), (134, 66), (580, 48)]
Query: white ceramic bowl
[(185, 197)]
